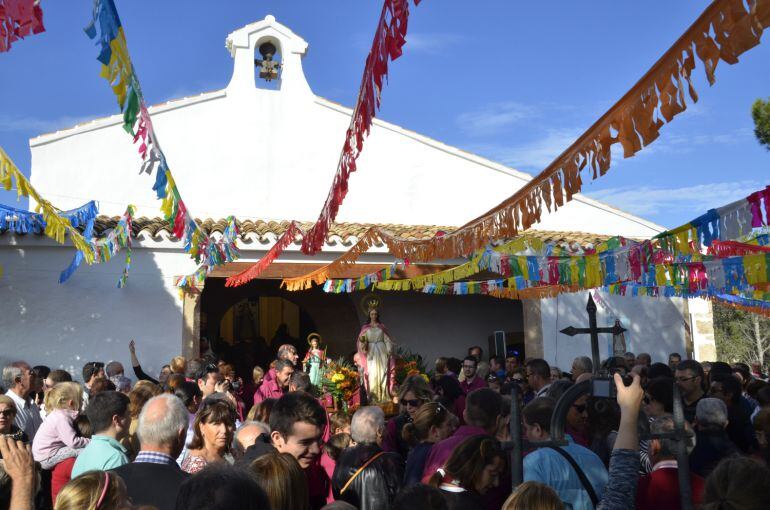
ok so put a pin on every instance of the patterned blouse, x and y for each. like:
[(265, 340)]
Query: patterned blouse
[(192, 464)]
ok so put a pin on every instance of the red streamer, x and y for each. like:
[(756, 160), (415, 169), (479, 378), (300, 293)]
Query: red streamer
[(389, 39), (252, 272), (723, 249), (19, 18)]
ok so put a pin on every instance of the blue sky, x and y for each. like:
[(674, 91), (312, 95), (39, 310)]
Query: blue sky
[(510, 80)]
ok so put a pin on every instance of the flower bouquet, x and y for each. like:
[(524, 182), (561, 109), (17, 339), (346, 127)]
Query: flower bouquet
[(409, 363), (340, 380)]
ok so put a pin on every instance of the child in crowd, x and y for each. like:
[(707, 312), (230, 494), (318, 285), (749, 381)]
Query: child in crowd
[(333, 448), (57, 439)]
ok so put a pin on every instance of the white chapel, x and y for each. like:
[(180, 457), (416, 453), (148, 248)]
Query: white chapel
[(266, 152)]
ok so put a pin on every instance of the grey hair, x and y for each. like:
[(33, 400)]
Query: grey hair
[(367, 423), (263, 427), (711, 413), (584, 363), (10, 374), (164, 428), (482, 370), (665, 424), (113, 368)]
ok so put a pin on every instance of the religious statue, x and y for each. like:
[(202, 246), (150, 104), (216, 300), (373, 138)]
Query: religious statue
[(314, 358), (375, 349)]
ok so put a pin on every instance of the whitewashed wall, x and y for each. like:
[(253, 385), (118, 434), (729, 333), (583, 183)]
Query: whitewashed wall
[(655, 326), (88, 318)]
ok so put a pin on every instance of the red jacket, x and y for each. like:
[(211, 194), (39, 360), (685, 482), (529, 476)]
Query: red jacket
[(477, 383), (660, 489)]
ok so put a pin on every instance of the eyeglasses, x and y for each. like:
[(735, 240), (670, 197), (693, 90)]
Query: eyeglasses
[(685, 379), (469, 366), (413, 402)]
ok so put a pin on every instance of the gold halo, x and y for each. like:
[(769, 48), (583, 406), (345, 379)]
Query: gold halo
[(316, 336), (369, 302)]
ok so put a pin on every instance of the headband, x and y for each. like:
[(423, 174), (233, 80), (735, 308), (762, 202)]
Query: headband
[(104, 489)]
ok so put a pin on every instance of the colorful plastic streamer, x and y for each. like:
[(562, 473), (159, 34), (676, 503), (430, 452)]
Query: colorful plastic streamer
[(119, 71), (18, 19)]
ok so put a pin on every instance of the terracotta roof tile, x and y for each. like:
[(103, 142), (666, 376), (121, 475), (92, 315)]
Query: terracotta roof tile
[(348, 233)]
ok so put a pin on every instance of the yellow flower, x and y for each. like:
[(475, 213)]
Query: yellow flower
[(425, 377), (337, 378)]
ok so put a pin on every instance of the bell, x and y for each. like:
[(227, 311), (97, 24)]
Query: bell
[(268, 69)]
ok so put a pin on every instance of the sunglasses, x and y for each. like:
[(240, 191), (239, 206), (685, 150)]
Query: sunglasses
[(8, 412), (413, 402), (580, 408)]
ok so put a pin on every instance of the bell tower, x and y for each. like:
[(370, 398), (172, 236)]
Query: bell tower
[(267, 55)]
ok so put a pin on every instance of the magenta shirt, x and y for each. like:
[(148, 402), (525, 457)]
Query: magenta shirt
[(442, 450), (268, 389), (476, 384)]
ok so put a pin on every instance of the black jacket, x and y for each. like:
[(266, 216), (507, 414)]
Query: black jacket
[(375, 488), (152, 484), (262, 446), (710, 448)]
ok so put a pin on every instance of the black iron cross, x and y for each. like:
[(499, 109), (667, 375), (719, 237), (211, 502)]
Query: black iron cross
[(593, 331)]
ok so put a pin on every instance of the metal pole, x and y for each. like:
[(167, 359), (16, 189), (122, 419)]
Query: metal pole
[(682, 459)]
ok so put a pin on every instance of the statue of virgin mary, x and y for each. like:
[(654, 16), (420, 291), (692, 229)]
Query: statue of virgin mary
[(376, 351)]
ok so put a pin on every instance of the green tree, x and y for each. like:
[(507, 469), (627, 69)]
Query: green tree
[(741, 336), (760, 112)]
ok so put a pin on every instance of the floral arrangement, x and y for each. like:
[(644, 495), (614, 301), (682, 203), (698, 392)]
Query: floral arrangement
[(340, 380), (409, 363)]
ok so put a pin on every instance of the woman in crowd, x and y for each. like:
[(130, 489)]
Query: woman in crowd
[(737, 483), (331, 452), (431, 423), (57, 438), (178, 365), (472, 470), (412, 393), (261, 411), (7, 416), (212, 435), (449, 392), (282, 478), (659, 397), (95, 490), (533, 496), (142, 392)]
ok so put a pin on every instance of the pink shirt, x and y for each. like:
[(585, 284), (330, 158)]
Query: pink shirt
[(475, 384), (269, 389), (57, 432)]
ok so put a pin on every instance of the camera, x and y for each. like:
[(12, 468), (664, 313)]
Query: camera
[(235, 385)]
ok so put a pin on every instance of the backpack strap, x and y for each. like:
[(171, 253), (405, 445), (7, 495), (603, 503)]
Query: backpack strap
[(358, 472), (589, 488)]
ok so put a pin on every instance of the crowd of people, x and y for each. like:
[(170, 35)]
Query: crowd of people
[(199, 436)]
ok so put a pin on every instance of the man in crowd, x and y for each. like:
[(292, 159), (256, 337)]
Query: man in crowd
[(689, 378), (711, 441), (285, 352), (477, 352), (581, 365), (92, 371), (277, 386), (497, 367), (644, 359), (558, 467), (154, 478), (370, 477), (673, 360), (109, 417), (660, 489), (739, 429), (19, 379), (297, 424), (538, 376), (247, 435), (209, 380), (482, 415), (472, 381), (630, 361)]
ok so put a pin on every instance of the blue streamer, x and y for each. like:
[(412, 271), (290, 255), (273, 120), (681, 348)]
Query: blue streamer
[(19, 221), (78, 258)]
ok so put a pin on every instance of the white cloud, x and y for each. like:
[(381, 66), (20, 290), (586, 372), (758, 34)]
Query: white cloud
[(697, 199), (492, 118), (432, 43), (12, 123)]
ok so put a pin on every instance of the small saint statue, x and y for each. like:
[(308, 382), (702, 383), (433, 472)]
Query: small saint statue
[(314, 359)]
